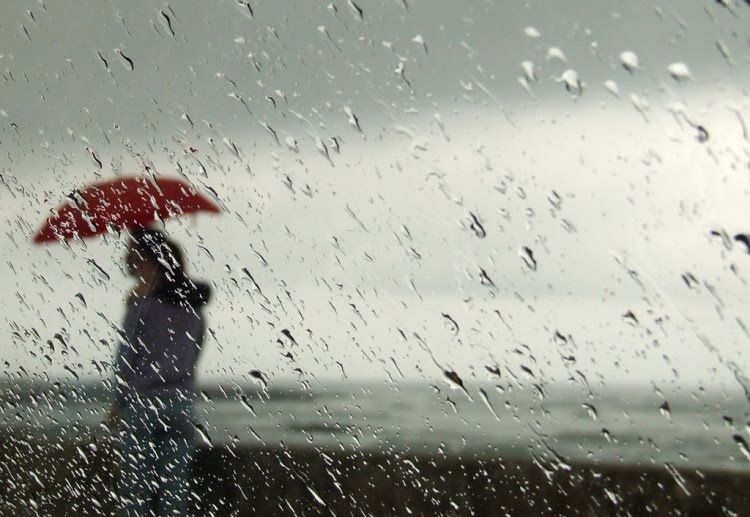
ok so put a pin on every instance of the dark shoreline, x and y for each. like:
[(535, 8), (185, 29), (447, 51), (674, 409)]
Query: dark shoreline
[(62, 480)]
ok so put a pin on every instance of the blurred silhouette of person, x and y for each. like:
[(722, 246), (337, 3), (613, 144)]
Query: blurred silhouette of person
[(163, 336)]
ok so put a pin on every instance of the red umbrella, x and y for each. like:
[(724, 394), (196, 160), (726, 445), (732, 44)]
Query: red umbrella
[(132, 202)]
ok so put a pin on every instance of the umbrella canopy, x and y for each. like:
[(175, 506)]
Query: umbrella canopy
[(124, 202)]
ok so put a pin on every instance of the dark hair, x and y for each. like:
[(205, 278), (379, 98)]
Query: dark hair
[(152, 245)]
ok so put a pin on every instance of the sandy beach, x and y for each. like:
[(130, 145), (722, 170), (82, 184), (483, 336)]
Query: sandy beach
[(68, 478)]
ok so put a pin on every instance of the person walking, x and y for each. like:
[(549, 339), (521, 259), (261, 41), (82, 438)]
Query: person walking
[(163, 334)]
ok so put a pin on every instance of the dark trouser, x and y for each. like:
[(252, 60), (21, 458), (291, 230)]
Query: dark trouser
[(156, 447)]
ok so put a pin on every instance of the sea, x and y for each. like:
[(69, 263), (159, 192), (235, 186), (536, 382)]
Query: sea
[(555, 426)]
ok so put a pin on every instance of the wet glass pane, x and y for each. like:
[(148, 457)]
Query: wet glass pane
[(374, 257)]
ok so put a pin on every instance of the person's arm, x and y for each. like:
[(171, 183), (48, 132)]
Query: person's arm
[(123, 365), (126, 359), (124, 369)]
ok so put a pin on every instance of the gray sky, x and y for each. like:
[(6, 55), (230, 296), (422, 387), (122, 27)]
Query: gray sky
[(393, 129)]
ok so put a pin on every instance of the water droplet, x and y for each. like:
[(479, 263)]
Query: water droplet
[(315, 495), (527, 371), (323, 149), (630, 318), (400, 70), (702, 135), (259, 376), (94, 157), (728, 4), (555, 200), (744, 239), (203, 434), (739, 440), (679, 72), (353, 120), (82, 299), (531, 32), (679, 479), (358, 12), (665, 410), (129, 64), (612, 87), (456, 381), (527, 255), (246, 404), (477, 226), (725, 52), (291, 143), (99, 269), (556, 53), (591, 410), (568, 226), (639, 103), (689, 280), (494, 370), (630, 61), (528, 70), (485, 279), (724, 237), (451, 322), (486, 400), (572, 83), (420, 41), (167, 22), (231, 146)]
